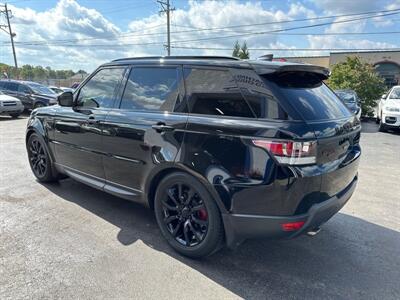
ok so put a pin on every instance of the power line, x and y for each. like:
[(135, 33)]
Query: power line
[(286, 29), (291, 49), (298, 20), (162, 33), (228, 27), (95, 38)]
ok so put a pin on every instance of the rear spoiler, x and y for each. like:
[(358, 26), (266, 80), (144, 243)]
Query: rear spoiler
[(262, 69)]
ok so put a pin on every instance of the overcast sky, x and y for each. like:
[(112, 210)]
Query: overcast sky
[(81, 34)]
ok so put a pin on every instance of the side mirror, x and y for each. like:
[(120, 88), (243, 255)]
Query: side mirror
[(66, 99), (384, 96)]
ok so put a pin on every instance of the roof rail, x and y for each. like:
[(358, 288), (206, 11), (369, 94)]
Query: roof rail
[(177, 57)]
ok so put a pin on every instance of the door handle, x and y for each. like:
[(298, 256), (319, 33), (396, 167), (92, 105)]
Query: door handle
[(92, 120), (160, 127)]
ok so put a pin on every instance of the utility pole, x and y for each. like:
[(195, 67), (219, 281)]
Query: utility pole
[(166, 8), (9, 32)]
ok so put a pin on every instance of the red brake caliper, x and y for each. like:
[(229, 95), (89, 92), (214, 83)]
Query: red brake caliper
[(203, 214)]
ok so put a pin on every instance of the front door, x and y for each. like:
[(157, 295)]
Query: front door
[(145, 130), (24, 93), (78, 130)]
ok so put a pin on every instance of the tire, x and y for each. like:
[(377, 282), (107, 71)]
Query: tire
[(382, 127), (39, 159), (38, 104), (15, 115), (188, 217)]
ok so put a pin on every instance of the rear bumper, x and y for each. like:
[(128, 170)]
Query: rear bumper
[(239, 227)]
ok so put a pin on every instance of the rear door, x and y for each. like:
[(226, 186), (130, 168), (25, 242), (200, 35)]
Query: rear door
[(337, 130), (145, 129), (24, 93)]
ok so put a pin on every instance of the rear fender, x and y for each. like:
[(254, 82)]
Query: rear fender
[(162, 170)]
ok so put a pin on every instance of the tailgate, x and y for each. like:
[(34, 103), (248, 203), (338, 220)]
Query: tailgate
[(338, 152)]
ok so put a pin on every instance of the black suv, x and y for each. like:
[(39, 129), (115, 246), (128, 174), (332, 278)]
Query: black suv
[(221, 149), (31, 94)]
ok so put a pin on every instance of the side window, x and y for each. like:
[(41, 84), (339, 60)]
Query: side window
[(24, 89), (11, 86), (214, 92), (100, 89), (259, 96), (264, 106), (151, 88), (2, 84)]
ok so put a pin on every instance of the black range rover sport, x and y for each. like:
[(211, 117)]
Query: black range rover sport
[(221, 149)]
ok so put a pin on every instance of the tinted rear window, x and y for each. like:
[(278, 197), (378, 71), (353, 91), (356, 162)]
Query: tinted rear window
[(214, 92), (310, 96)]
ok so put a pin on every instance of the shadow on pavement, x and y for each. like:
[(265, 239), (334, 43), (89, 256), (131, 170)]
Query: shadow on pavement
[(350, 258), (370, 126), (6, 117)]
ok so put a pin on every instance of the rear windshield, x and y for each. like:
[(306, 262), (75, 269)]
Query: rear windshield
[(309, 95)]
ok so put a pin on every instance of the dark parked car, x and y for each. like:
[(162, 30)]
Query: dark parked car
[(222, 149), (350, 98), (31, 94)]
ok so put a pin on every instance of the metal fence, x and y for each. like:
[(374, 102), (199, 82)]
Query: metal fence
[(68, 82)]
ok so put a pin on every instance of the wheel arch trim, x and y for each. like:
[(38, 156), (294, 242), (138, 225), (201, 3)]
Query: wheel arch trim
[(159, 173)]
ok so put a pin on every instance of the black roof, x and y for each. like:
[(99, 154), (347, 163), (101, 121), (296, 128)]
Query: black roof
[(177, 57), (19, 81), (260, 66)]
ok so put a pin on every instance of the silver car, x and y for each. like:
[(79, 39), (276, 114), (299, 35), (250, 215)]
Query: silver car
[(10, 106)]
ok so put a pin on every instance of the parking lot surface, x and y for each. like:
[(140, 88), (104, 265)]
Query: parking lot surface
[(70, 241)]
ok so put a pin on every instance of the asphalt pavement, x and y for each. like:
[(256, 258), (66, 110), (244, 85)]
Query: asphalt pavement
[(70, 241)]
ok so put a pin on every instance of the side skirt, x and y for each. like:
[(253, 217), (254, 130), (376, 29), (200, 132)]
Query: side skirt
[(103, 185)]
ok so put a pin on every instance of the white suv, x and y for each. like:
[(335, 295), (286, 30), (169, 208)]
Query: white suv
[(388, 115)]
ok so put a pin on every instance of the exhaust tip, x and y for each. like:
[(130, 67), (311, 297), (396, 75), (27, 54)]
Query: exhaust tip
[(313, 232)]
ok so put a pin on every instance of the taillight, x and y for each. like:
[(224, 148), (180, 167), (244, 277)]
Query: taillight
[(289, 152), (293, 226)]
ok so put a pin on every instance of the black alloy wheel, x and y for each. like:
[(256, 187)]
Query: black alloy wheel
[(39, 159), (38, 105), (187, 216)]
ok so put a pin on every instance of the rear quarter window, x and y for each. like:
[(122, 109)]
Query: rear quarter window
[(307, 93), (214, 92)]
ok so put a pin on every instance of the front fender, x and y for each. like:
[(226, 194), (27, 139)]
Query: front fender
[(41, 122)]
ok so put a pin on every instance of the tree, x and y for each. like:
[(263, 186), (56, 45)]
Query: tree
[(236, 49), (241, 52), (37, 73), (244, 52), (362, 78)]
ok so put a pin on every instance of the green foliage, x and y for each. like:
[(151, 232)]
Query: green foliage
[(236, 49), (361, 77), (36, 73), (241, 52)]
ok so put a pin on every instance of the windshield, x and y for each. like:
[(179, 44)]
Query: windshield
[(346, 97), (395, 94), (40, 89)]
